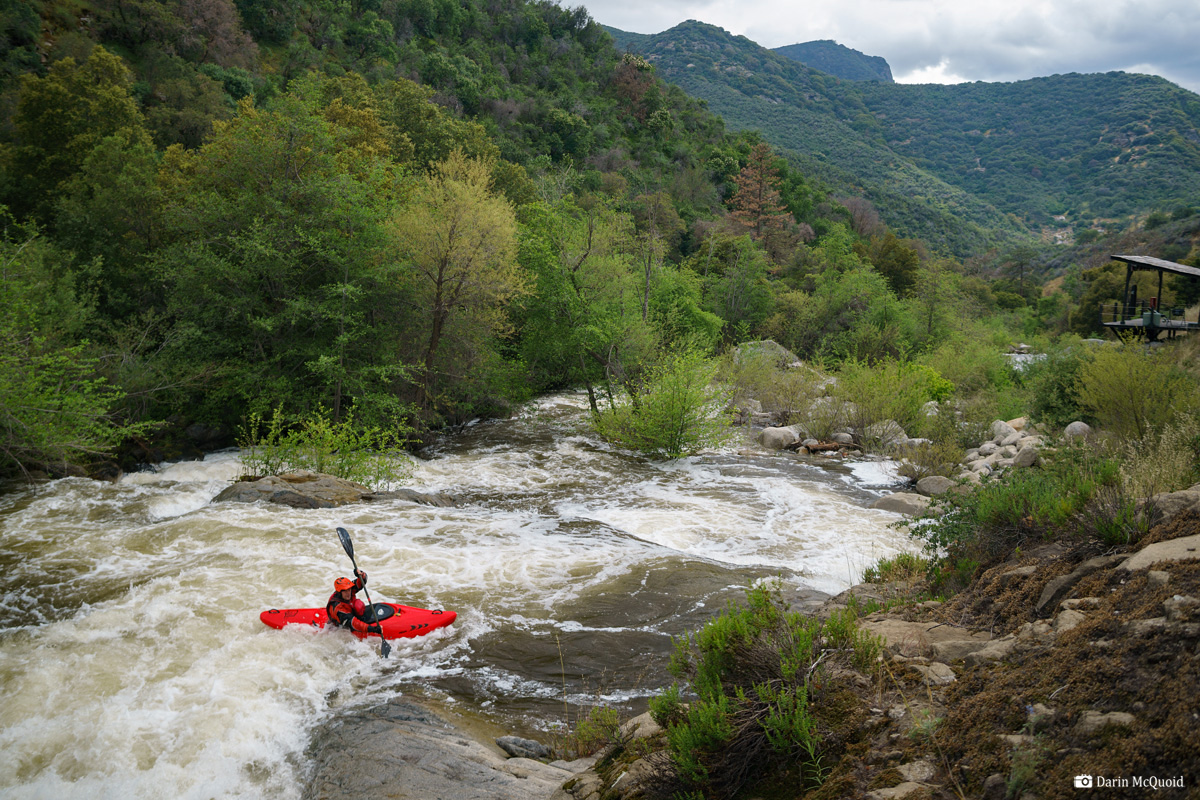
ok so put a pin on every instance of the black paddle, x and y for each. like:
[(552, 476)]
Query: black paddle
[(344, 535)]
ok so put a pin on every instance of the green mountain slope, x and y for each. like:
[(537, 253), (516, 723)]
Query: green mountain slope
[(1005, 158), (838, 60), (827, 129)]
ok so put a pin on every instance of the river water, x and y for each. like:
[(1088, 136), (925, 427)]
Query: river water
[(133, 663)]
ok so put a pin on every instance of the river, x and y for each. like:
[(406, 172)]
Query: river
[(133, 663)]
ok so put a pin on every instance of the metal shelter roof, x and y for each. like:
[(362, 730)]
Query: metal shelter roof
[(1158, 264)]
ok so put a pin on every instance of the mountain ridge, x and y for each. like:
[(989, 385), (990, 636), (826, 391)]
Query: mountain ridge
[(1012, 158)]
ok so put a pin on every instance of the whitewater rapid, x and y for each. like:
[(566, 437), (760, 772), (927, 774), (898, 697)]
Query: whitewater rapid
[(133, 663)]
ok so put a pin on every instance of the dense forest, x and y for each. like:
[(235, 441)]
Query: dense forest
[(396, 215)]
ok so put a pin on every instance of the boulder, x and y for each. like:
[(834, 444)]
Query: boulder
[(767, 349), (841, 437), (934, 484), (935, 673), (1171, 504), (944, 642), (400, 749), (778, 438), (1184, 549), (1019, 424), (1026, 457), (517, 747), (1077, 430), (987, 448), (1012, 439), (992, 651), (1001, 430), (887, 433), (902, 503), (300, 489)]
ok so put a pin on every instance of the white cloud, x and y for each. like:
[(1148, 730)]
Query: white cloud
[(947, 40)]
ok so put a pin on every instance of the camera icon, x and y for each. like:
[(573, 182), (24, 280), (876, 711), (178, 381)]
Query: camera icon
[(1083, 781)]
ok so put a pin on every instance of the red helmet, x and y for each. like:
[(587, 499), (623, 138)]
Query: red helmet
[(342, 584)]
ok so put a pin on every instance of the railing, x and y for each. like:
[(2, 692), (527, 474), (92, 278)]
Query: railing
[(1142, 315)]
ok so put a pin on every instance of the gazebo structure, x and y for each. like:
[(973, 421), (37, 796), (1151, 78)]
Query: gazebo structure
[(1146, 317)]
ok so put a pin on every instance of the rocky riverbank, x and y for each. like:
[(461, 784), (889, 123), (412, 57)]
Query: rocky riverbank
[(1062, 661)]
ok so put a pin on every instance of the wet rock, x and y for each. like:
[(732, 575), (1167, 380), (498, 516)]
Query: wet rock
[(517, 747), (902, 503), (400, 749), (1184, 549), (301, 489), (436, 499)]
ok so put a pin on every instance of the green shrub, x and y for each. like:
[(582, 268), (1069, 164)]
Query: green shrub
[(754, 669), (1053, 384), (679, 412), (1134, 392), (1166, 462), (368, 455), (940, 457), (874, 394), (1077, 492), (903, 567)]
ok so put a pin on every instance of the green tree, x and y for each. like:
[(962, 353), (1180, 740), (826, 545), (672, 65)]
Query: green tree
[(459, 239), (56, 412), (275, 263), (59, 121)]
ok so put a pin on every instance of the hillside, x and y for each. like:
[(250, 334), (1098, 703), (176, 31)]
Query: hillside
[(1072, 150), (827, 130), (838, 60)]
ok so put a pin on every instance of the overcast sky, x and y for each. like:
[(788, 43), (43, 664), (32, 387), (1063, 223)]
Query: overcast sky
[(943, 41)]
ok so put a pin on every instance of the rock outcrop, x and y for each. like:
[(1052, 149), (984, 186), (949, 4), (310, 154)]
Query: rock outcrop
[(304, 489), (404, 750)]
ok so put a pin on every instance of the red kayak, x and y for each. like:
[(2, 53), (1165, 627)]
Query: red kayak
[(397, 621)]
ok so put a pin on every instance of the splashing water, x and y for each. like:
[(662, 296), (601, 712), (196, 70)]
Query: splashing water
[(133, 664)]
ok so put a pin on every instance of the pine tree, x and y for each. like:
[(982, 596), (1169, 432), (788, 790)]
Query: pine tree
[(756, 203)]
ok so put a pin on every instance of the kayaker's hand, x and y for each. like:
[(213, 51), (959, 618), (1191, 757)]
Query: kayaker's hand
[(375, 628), (360, 574)]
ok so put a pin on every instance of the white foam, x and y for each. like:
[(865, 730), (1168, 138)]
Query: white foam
[(133, 665)]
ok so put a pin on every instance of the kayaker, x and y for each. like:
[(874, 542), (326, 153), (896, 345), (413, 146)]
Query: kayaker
[(347, 611)]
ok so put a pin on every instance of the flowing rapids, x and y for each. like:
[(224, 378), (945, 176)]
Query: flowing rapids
[(133, 663)]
